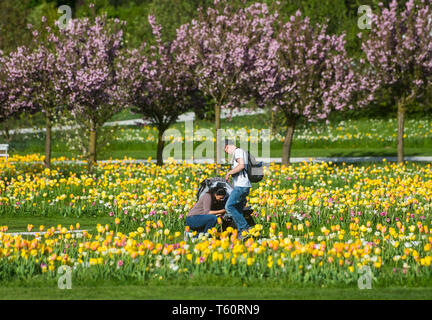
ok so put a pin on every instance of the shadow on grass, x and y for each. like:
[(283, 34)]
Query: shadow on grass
[(371, 153)]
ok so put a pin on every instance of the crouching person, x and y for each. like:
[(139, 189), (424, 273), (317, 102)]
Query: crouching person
[(201, 218)]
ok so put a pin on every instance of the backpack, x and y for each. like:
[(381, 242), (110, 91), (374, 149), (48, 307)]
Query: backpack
[(210, 183), (254, 169)]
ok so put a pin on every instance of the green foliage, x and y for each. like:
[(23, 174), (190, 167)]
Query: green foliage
[(47, 10), (340, 15), (137, 29), (171, 14), (13, 24)]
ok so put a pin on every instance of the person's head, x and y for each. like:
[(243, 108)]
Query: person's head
[(219, 194), (229, 146)]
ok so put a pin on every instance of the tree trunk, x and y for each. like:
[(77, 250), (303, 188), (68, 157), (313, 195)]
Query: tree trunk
[(92, 146), (160, 147), (401, 120), (286, 150), (272, 122), (47, 160), (217, 157), (6, 133)]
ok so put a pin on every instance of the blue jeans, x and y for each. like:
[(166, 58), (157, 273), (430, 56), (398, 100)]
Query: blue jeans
[(234, 207), (201, 222)]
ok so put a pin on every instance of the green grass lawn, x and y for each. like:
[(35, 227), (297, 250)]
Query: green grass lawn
[(124, 115), (149, 151), (177, 292), (350, 138), (38, 120), (19, 224)]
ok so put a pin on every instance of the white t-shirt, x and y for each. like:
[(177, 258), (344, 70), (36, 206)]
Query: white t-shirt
[(240, 179)]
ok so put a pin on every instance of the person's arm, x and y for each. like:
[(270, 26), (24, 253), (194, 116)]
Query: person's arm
[(207, 206), (217, 212), (237, 169)]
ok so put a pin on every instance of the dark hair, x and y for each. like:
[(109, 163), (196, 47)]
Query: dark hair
[(229, 142), (217, 191), (215, 204), (221, 192)]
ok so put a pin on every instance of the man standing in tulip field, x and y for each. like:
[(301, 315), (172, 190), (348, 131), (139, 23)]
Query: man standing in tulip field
[(237, 199)]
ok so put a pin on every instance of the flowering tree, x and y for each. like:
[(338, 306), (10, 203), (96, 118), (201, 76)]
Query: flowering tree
[(398, 51), (157, 87), (87, 52), (305, 73), (12, 77), (5, 110), (39, 82), (220, 50)]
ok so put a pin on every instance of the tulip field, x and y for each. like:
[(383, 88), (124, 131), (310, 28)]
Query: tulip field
[(113, 113), (318, 224)]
